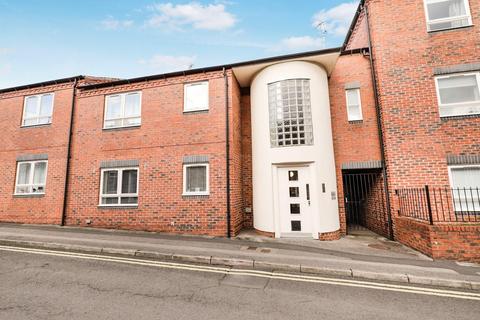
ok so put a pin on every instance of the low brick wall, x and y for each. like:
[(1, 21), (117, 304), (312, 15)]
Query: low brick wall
[(441, 241), (329, 236), (456, 242)]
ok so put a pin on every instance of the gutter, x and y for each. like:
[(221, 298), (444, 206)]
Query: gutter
[(208, 69), (227, 152), (69, 152), (379, 125), (42, 84)]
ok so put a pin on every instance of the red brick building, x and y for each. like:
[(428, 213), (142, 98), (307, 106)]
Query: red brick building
[(300, 145)]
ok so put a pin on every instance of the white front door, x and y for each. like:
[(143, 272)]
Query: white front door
[(294, 191)]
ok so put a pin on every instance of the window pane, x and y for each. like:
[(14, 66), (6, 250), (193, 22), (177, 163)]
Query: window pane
[(458, 89), (129, 181), (466, 177), (31, 107), (114, 107), (39, 173), (131, 121), (352, 97), (46, 105), (446, 9), (110, 179), (113, 123), (196, 96), (354, 113), (196, 179), (24, 173), (129, 200), (112, 200), (132, 105)]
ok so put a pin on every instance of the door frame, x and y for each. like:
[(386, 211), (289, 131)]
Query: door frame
[(314, 219)]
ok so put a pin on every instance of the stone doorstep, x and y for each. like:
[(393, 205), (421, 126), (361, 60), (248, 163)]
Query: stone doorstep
[(250, 263)]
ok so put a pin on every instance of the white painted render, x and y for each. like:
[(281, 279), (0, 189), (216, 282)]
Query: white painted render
[(319, 157)]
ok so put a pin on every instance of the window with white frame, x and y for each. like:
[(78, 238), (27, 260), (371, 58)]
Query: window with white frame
[(196, 179), (465, 183), (354, 104), (31, 177), (37, 110), (123, 110), (458, 94), (447, 14), (290, 113), (119, 187), (195, 96)]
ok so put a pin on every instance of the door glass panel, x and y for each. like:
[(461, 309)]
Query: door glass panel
[(295, 208), (293, 175), (296, 226), (294, 192)]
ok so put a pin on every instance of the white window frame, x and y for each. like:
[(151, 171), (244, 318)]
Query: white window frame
[(191, 84), (39, 102), (466, 16), (359, 104), (450, 178), (119, 193), (194, 193), (122, 106), (446, 105), (30, 178)]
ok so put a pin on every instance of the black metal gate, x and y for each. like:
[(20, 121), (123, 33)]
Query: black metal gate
[(365, 202)]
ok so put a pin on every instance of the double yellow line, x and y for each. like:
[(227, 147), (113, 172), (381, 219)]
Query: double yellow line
[(255, 273)]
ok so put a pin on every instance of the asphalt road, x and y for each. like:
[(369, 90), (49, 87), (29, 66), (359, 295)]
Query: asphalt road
[(38, 286)]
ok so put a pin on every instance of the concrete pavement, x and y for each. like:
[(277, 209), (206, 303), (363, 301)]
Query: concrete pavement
[(351, 257), (38, 286)]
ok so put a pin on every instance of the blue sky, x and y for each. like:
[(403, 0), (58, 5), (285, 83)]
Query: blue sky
[(47, 39)]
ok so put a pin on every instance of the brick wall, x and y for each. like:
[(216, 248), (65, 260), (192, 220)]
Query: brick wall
[(49, 139), (417, 141), (247, 160), (452, 241), (236, 157), (353, 141), (376, 218), (164, 138)]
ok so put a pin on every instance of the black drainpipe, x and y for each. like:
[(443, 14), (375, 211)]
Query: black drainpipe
[(380, 127), (69, 143), (227, 151)]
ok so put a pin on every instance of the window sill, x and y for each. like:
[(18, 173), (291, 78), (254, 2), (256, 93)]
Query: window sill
[(37, 126), (125, 207), (195, 111), (195, 196), (355, 121), (433, 32), (28, 195), (122, 128), (459, 117)]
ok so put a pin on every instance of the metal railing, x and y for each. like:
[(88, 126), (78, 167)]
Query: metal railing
[(439, 205)]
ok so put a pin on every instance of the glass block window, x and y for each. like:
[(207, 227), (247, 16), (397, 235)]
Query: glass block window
[(290, 113)]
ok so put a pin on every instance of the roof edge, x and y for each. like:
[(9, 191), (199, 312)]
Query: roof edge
[(43, 84), (352, 25), (208, 69)]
